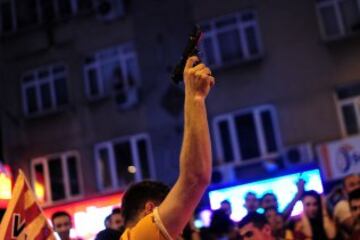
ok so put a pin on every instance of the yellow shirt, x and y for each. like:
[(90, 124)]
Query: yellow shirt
[(148, 228)]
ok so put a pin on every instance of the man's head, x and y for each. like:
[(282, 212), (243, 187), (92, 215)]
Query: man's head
[(251, 202), (226, 206), (354, 201), (116, 220), (351, 182), (269, 200), (62, 224), (274, 219), (254, 226), (141, 198)]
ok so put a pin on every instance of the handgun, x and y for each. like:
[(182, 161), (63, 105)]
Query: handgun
[(191, 49)]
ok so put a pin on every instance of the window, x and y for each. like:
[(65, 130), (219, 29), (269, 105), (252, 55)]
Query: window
[(56, 177), (122, 161), (230, 39), (44, 90), (349, 109), (21, 14), (7, 18), (26, 12), (246, 135), (115, 72), (108, 10), (338, 18)]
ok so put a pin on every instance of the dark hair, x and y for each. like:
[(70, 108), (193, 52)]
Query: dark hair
[(138, 194), (60, 214), (257, 219), (108, 234), (220, 223), (249, 194), (226, 202), (268, 194), (354, 195), (116, 210), (317, 223)]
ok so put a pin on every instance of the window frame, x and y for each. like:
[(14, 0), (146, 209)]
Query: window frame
[(124, 51), (36, 83), (74, 11), (66, 181), (260, 134), (240, 26), (109, 146), (355, 102), (13, 17), (339, 18)]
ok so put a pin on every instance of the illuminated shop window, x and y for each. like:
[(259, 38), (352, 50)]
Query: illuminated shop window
[(56, 177), (5, 182), (123, 160)]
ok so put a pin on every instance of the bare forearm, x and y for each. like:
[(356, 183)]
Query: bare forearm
[(289, 208), (195, 158)]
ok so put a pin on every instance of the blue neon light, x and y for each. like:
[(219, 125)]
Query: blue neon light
[(283, 187)]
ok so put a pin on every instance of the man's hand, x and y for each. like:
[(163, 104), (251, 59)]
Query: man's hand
[(300, 187), (197, 79)]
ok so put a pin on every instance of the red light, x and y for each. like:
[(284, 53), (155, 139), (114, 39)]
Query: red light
[(5, 185)]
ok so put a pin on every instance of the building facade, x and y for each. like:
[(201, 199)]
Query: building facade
[(88, 105)]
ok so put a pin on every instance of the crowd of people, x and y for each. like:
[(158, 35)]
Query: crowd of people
[(318, 221)]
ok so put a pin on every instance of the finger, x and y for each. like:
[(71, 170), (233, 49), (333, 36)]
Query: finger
[(205, 71), (199, 67), (208, 78), (190, 62)]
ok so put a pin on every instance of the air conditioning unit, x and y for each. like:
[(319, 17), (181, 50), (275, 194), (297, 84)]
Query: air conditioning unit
[(223, 174), (298, 154), (108, 10)]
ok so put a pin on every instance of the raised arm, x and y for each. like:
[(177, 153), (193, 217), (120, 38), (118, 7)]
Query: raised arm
[(289, 208), (195, 158)]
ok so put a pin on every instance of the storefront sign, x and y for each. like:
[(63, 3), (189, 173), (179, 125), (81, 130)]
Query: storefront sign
[(340, 158)]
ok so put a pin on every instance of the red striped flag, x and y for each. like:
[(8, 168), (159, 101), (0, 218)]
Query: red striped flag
[(24, 219)]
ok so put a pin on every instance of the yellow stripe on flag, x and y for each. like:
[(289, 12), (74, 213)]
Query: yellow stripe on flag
[(33, 229), (29, 200), (29, 221), (18, 187)]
